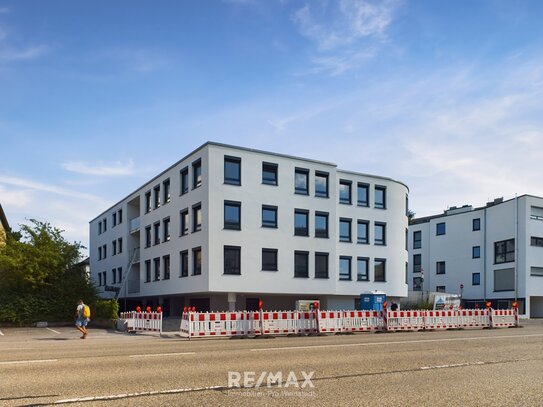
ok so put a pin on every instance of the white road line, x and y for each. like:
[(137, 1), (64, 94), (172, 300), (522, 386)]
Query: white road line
[(1, 333), (20, 362), (453, 365), (52, 330), (346, 345), (149, 355), (140, 394)]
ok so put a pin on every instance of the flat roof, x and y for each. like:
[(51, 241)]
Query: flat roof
[(252, 150)]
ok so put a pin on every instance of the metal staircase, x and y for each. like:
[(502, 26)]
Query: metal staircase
[(134, 258)]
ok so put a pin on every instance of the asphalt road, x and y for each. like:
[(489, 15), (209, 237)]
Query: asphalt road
[(501, 367)]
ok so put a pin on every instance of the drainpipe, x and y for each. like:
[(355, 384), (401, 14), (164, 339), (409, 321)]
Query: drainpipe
[(484, 256), (516, 247)]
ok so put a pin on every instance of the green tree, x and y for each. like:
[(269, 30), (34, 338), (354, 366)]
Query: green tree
[(38, 277)]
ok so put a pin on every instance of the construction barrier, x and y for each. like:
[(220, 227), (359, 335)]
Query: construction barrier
[(142, 321), (440, 320), (474, 318), (405, 320), (259, 323)]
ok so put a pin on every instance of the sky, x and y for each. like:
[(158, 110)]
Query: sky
[(98, 97)]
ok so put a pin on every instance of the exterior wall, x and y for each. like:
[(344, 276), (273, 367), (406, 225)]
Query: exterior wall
[(279, 287), (498, 222)]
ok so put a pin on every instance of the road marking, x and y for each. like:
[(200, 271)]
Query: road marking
[(346, 345), (52, 330), (20, 362), (139, 394), (149, 355), (454, 365), (1, 333)]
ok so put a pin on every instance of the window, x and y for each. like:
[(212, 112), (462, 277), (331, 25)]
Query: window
[(156, 196), (148, 236), (379, 270), (100, 227), (114, 276), (184, 222), (104, 251), (166, 191), (196, 174), (184, 263), (269, 259), (114, 219), (114, 248), (475, 278), (476, 224), (301, 264), (321, 224), (321, 265), (417, 239), (440, 229), (197, 217), (269, 216), (363, 192), (380, 197), (184, 180), (120, 217), (345, 192), (166, 226), (232, 215), (301, 220), (147, 271), (440, 267), (232, 170), (120, 274), (104, 277), (344, 268), (269, 173), (536, 241), (148, 202), (476, 252), (232, 260), (536, 271), (104, 222), (156, 263), (301, 181), (344, 230), (504, 251), (99, 279), (362, 269), (166, 262), (417, 263), (156, 228), (380, 233), (504, 280), (440, 289), (536, 213), (120, 245), (100, 253), (197, 261), (321, 184), (362, 227), (417, 283)]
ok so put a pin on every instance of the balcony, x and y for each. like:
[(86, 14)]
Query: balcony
[(135, 225)]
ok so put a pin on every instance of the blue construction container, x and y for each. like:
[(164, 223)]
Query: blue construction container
[(372, 300)]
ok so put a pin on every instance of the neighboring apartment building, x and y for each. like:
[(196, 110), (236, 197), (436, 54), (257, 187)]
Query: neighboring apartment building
[(4, 226), (495, 252), (228, 226)]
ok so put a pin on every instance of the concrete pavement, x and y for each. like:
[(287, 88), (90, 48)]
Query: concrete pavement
[(468, 368)]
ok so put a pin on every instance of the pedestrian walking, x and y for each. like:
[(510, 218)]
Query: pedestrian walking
[(82, 318)]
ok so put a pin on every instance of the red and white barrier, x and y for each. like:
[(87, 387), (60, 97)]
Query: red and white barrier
[(474, 318), (440, 320), (405, 320), (502, 318), (142, 321), (330, 321), (199, 324), (362, 321)]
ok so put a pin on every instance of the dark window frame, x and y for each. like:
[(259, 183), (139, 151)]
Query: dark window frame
[(156, 197), (365, 187), (272, 209), (197, 268), (476, 224), (325, 273), (441, 228), (148, 202), (348, 260), (301, 231), (232, 225), (148, 271), (156, 268), (322, 233), (349, 199), (297, 266), (270, 168), (166, 191), (148, 236), (232, 180), (166, 233), (267, 265), (197, 208), (228, 270), (509, 255), (304, 172), (184, 222), (166, 266), (184, 187), (417, 239), (375, 265), (326, 176), (378, 204), (474, 280), (365, 240), (417, 266), (441, 267), (184, 263), (197, 174), (476, 252), (367, 272), (349, 237), (156, 233), (383, 241)]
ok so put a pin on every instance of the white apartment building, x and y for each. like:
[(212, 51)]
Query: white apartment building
[(228, 226), (493, 253)]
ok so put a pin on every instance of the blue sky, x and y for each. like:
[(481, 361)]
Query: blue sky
[(97, 97)]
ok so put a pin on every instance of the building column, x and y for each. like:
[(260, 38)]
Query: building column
[(231, 301)]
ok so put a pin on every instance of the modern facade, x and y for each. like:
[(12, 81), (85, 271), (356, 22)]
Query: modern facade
[(228, 226), (4, 226), (492, 253)]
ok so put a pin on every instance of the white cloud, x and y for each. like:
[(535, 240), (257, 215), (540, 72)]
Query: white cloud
[(8, 54), (103, 170)]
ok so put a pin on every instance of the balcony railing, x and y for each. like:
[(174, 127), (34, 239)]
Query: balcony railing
[(134, 225)]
